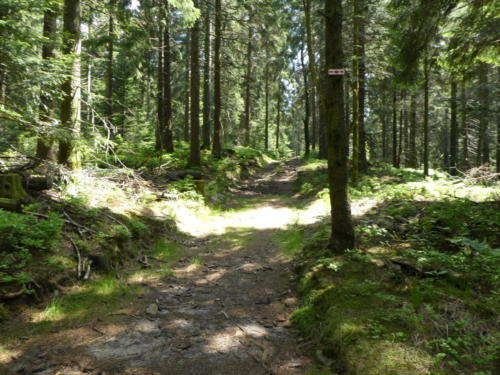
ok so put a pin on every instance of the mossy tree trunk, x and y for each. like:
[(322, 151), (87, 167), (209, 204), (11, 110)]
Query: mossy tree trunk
[(70, 105), (342, 236)]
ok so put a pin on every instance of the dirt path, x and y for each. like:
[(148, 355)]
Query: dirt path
[(224, 313)]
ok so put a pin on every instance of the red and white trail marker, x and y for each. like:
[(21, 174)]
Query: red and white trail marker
[(336, 72)]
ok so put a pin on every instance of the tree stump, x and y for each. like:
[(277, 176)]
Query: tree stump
[(12, 192), (10, 204), (11, 187)]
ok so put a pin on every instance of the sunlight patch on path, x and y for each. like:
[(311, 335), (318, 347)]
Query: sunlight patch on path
[(199, 221)]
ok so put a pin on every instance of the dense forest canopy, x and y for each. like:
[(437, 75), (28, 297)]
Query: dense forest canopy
[(166, 164), (420, 84)]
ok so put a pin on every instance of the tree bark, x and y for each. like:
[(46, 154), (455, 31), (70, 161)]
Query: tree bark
[(206, 78), (45, 142), (363, 162), (187, 97), (385, 152), (109, 67), (484, 100), (70, 105), (217, 147), (355, 92), (465, 127), (161, 86), (167, 141), (426, 114), (342, 236), (248, 87), (453, 130), (394, 129), (412, 157), (267, 94), (195, 155), (314, 135), (278, 117), (307, 105)]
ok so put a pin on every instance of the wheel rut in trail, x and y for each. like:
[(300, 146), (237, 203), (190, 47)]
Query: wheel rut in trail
[(227, 315)]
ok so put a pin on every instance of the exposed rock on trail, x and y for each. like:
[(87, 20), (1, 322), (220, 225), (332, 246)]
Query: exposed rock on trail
[(225, 314)]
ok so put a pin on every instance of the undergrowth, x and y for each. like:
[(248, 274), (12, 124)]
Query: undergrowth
[(420, 293)]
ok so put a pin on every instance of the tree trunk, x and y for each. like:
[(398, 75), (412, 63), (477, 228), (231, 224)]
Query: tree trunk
[(314, 73), (248, 86), (187, 97), (446, 143), (266, 124), (206, 79), (412, 157), (426, 114), (167, 141), (307, 105), (314, 135), (498, 126), (385, 151), (161, 86), (355, 91), (278, 118), (109, 67), (394, 129), (401, 131), (484, 100), (342, 236), (453, 130), (465, 127), (70, 105), (363, 162), (195, 156), (217, 147), (45, 142)]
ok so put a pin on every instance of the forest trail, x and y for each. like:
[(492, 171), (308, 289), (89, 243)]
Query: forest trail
[(224, 310)]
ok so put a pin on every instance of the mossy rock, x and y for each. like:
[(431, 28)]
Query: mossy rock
[(11, 187)]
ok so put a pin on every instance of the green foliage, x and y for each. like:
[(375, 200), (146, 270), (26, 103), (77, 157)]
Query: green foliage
[(24, 238)]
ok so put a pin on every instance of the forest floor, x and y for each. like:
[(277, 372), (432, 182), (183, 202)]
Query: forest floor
[(219, 293), (223, 308)]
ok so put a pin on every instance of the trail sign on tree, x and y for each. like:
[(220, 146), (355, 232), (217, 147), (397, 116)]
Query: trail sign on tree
[(336, 72)]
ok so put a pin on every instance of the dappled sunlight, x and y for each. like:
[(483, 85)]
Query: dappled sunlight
[(273, 215), (8, 355), (225, 341), (361, 207)]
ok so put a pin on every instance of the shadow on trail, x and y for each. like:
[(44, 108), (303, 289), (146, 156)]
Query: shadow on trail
[(224, 310), (227, 315)]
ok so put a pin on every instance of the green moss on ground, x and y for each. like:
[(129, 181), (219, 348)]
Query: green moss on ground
[(436, 312)]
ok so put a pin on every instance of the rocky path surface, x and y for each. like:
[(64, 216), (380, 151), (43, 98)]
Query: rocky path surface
[(226, 313)]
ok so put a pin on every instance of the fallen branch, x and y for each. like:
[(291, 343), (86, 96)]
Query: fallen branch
[(78, 257)]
